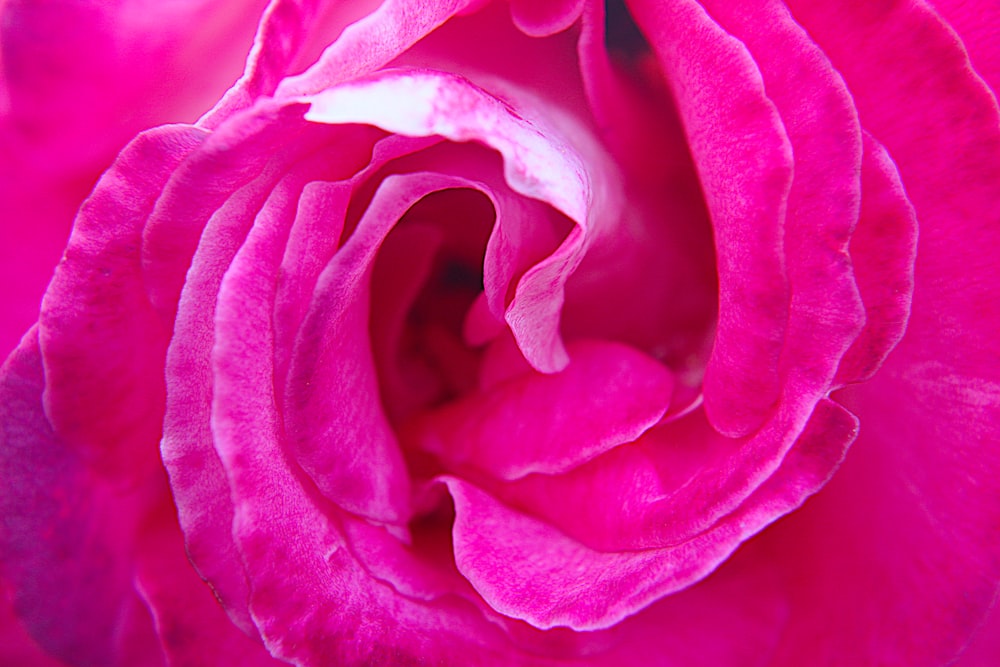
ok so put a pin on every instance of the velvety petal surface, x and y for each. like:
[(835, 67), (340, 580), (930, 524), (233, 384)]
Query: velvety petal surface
[(744, 160), (609, 394), (916, 523), (121, 67), (536, 165), (67, 533), (526, 568)]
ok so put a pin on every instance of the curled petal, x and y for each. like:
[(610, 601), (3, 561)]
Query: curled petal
[(744, 159), (528, 569)]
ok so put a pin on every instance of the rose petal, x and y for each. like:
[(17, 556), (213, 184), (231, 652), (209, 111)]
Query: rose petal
[(883, 250), (101, 342), (311, 600), (536, 165), (197, 479), (916, 520), (371, 43), (540, 19), (608, 395), (232, 157), (314, 239), (976, 26), (335, 422), (526, 568), (193, 629), (825, 311), (63, 519), (661, 253), (744, 159)]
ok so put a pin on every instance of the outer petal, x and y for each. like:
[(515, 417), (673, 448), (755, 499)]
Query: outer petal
[(883, 250), (102, 343), (121, 67), (192, 626), (67, 533), (197, 478), (920, 525), (977, 24)]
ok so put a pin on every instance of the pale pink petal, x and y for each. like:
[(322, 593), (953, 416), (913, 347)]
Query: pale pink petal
[(537, 164), (609, 394), (744, 159), (291, 34)]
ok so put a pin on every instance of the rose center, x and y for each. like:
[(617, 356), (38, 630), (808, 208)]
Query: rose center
[(427, 276)]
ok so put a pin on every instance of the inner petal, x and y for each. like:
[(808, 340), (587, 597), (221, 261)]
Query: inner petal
[(427, 275)]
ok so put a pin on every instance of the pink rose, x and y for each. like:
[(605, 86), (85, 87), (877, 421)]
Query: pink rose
[(475, 333)]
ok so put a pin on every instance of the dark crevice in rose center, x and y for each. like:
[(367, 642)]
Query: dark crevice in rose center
[(621, 34), (426, 277)]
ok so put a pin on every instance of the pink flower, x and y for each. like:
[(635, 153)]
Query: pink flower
[(503, 334)]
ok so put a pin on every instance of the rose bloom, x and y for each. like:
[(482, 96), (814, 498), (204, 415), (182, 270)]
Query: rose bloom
[(661, 332)]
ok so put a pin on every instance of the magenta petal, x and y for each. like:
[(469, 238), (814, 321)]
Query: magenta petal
[(193, 629), (528, 569), (312, 601), (196, 476), (67, 534), (235, 155), (540, 19), (744, 158), (825, 311), (282, 31), (976, 24), (907, 515), (883, 249), (371, 43), (609, 394), (102, 343), (336, 426), (537, 164)]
